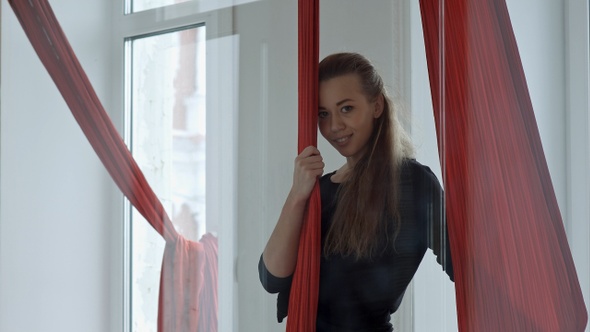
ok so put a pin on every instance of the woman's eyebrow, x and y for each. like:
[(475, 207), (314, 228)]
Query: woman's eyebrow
[(337, 104), (343, 101)]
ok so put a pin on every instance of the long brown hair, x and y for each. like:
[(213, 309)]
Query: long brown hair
[(368, 200)]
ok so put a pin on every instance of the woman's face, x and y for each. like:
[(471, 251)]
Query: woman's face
[(346, 116)]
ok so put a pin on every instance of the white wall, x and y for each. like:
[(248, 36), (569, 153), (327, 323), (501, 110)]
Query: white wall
[(55, 198)]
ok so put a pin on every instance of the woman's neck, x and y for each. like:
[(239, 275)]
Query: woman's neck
[(342, 174)]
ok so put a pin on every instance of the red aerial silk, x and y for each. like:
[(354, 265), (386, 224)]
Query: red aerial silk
[(208, 300), (513, 266), (183, 262), (305, 288)]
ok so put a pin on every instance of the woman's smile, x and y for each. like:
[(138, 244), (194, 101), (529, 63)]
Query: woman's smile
[(342, 140)]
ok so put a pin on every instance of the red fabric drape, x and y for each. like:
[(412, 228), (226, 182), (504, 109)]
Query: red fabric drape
[(305, 288), (208, 303), (181, 283), (513, 266), (182, 266)]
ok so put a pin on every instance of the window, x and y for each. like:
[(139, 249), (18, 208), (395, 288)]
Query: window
[(168, 140), (140, 5), (180, 129)]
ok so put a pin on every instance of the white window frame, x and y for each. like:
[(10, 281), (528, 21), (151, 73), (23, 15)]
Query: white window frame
[(577, 212), (221, 147)]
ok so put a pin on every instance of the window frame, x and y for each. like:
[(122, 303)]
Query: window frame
[(221, 147), (577, 211)]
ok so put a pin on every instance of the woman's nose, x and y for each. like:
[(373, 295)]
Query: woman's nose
[(336, 123)]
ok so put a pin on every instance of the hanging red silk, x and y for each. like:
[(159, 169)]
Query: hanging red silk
[(182, 266), (208, 301), (513, 266), (305, 288)]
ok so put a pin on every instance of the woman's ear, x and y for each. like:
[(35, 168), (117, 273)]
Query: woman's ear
[(378, 106)]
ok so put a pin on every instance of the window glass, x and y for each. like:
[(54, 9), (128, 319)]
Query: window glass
[(168, 141), (140, 5)]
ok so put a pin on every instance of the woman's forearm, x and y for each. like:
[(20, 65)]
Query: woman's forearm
[(280, 253)]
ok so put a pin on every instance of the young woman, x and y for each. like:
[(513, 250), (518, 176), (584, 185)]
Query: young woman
[(381, 210)]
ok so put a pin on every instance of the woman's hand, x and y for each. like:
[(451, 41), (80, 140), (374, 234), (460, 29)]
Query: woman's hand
[(309, 165)]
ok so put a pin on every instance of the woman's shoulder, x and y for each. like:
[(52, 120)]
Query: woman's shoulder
[(326, 178), (416, 168), (417, 173)]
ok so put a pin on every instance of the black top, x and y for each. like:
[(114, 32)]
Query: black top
[(361, 295)]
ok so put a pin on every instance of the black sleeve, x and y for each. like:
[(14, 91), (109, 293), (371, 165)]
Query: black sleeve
[(274, 284), (437, 232)]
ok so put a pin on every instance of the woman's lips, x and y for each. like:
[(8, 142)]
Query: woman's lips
[(342, 140)]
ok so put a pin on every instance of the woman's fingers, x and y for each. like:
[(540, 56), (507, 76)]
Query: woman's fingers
[(309, 165), (310, 150), (310, 160)]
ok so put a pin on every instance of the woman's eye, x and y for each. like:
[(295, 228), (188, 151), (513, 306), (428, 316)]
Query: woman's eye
[(322, 114), (346, 109)]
